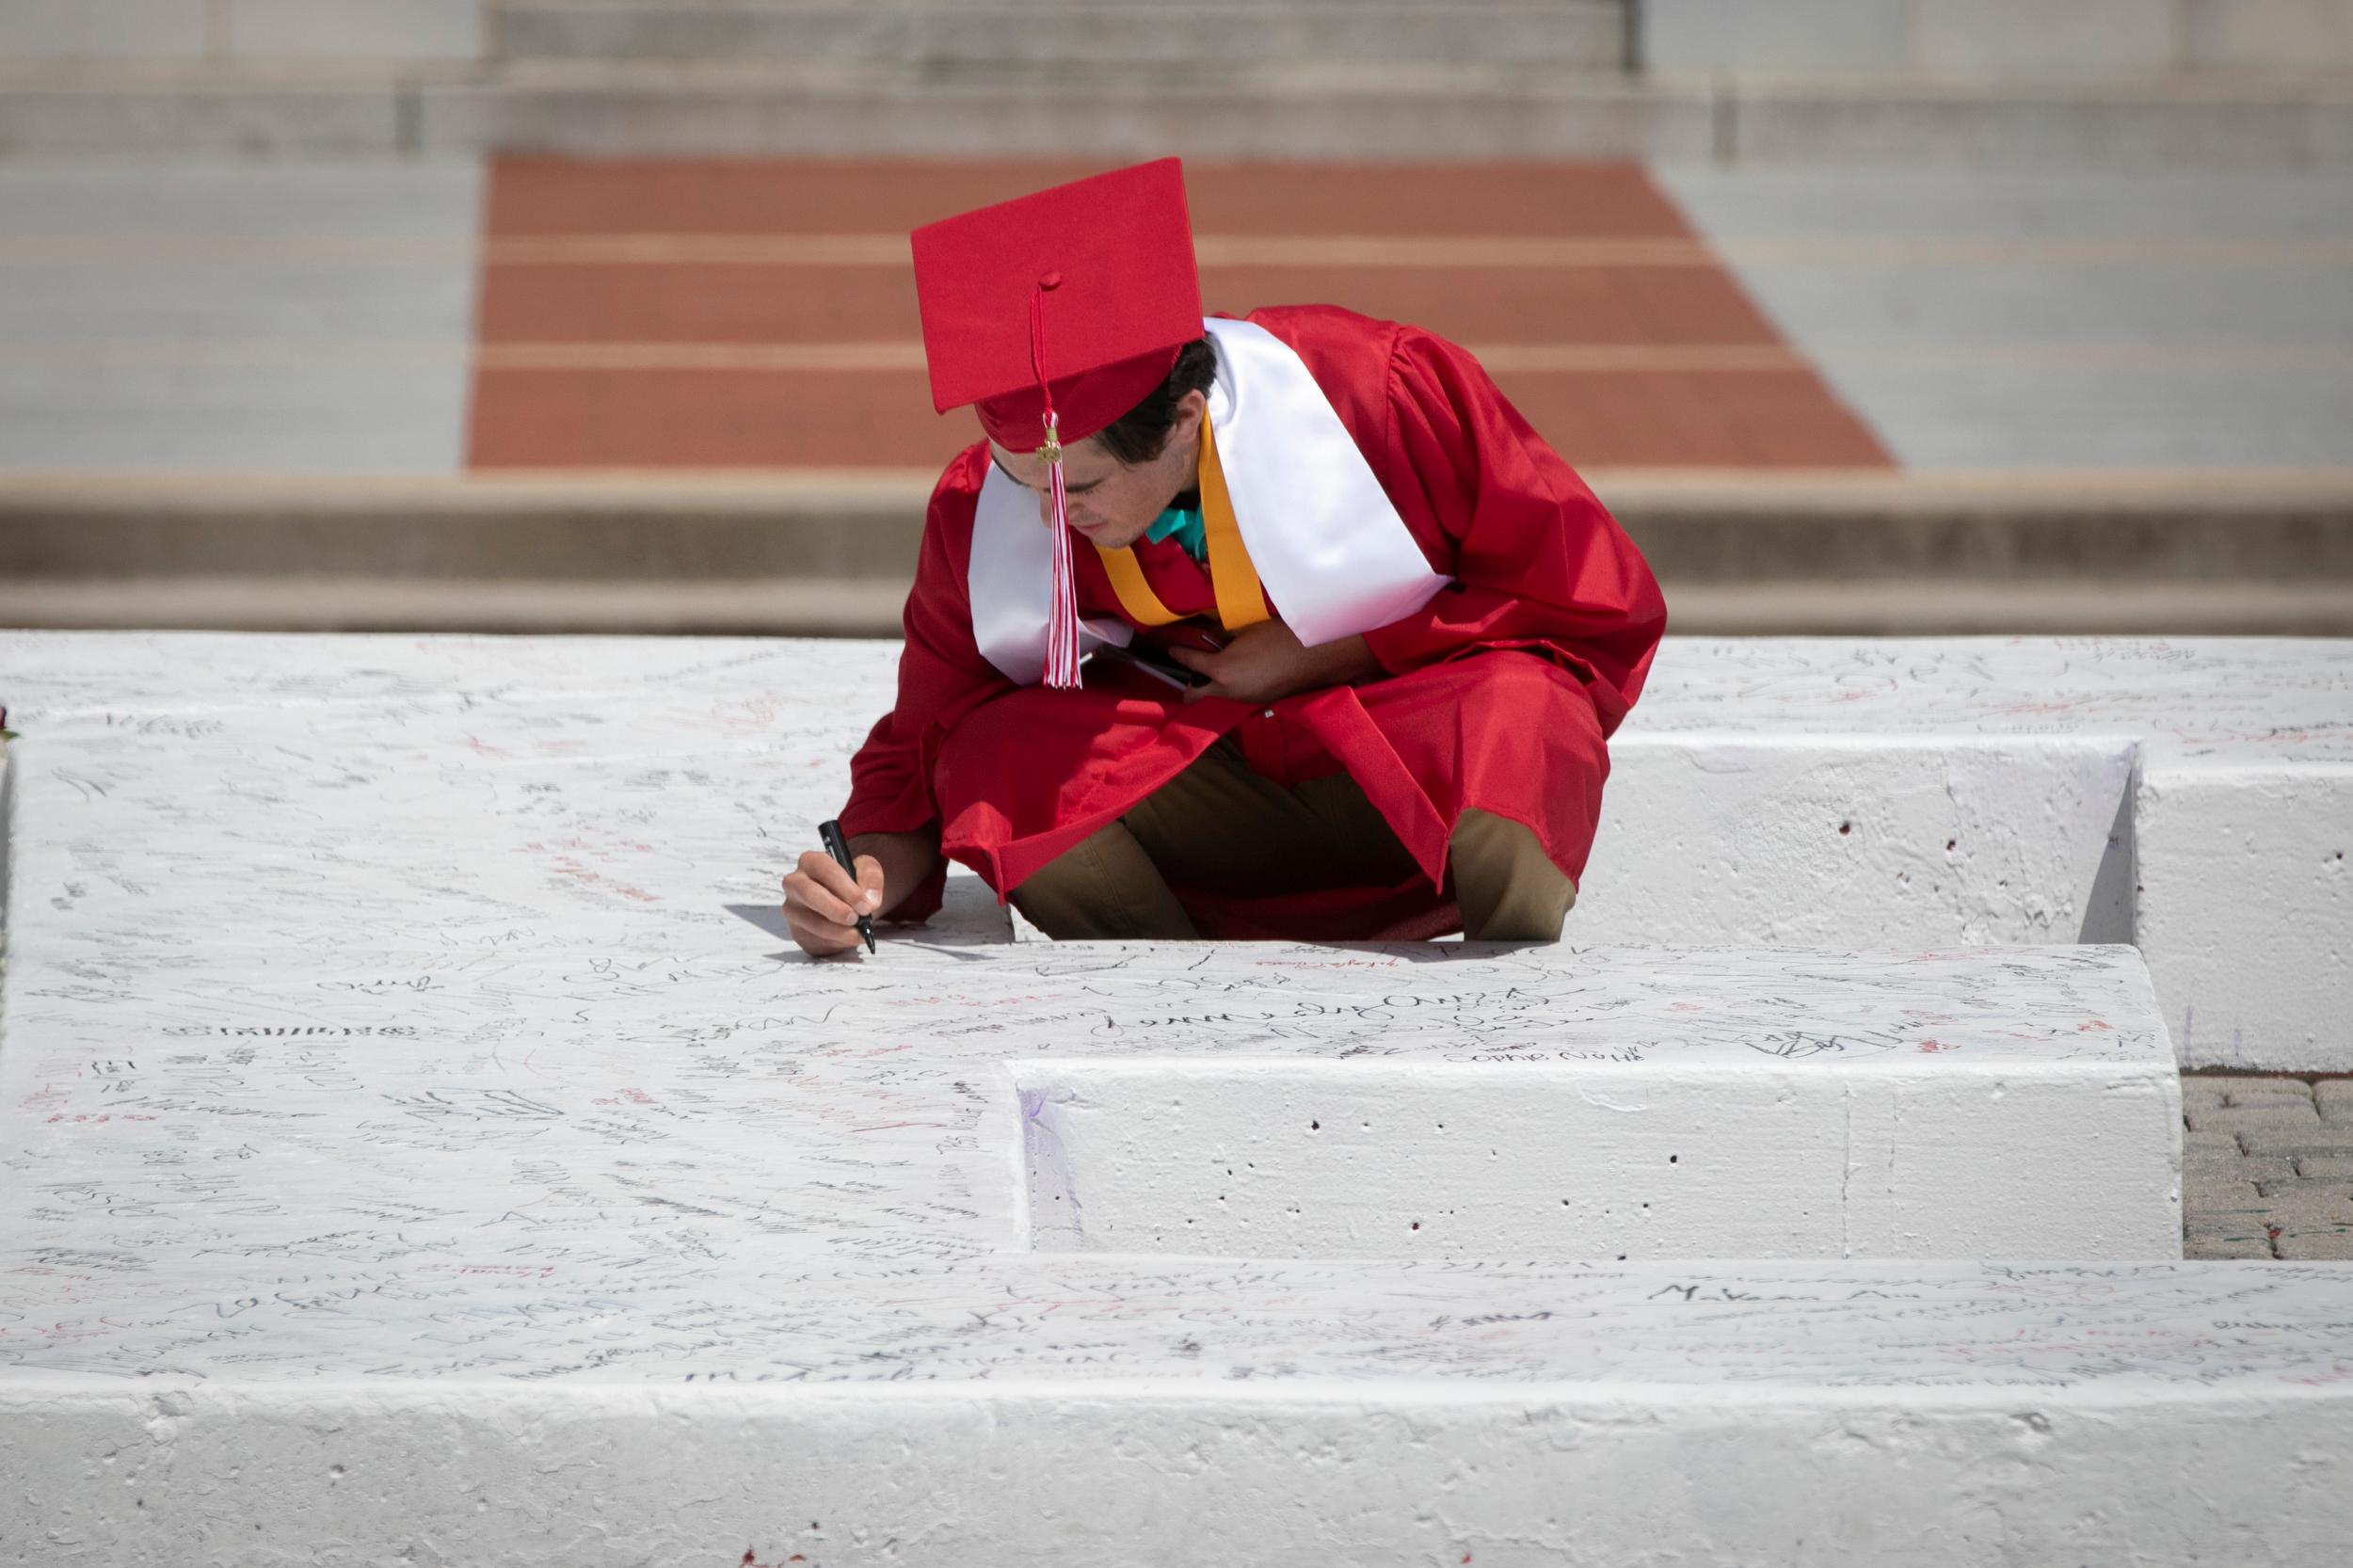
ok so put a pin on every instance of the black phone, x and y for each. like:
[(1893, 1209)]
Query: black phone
[(1153, 661)]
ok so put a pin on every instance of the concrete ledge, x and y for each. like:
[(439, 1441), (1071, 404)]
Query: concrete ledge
[(1896, 1417), (831, 552), (1569, 1143), (1897, 837), (2142, 527), (528, 528), (1903, 608), (870, 607), (801, 606), (2263, 852), (2241, 803), (1696, 525)]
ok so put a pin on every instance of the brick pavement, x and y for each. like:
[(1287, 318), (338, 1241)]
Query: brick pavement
[(2267, 1167)]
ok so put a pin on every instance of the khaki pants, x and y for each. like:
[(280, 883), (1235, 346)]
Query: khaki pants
[(1223, 829)]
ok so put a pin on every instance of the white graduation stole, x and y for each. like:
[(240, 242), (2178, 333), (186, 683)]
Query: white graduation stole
[(1327, 544)]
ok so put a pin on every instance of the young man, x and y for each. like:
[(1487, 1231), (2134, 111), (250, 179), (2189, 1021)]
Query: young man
[(1410, 626)]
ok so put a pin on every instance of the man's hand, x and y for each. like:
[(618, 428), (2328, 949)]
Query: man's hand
[(1266, 661), (822, 902)]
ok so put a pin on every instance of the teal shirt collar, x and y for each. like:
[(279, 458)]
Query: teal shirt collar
[(1183, 524)]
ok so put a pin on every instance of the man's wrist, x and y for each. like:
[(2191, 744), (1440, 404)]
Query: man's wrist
[(906, 859), (1346, 660)]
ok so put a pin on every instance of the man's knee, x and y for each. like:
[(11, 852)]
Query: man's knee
[(1105, 887), (1507, 887)]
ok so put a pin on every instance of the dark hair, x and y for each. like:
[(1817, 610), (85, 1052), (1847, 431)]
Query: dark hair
[(1139, 435)]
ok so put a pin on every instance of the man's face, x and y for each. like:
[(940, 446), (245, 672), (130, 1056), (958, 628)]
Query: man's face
[(1112, 503)]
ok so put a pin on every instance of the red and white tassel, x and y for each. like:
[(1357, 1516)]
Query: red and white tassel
[(1062, 610), (1062, 613)]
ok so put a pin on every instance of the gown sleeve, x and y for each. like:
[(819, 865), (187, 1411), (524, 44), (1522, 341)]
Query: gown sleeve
[(942, 674), (1539, 565)]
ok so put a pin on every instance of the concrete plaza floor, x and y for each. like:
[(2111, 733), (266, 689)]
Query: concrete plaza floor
[(243, 318), (1981, 321), (234, 317)]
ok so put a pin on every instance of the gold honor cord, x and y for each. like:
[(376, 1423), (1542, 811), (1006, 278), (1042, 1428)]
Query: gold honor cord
[(1136, 597), (1240, 602)]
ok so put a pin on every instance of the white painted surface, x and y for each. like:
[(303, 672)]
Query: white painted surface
[(448, 880), (409, 1153), (1721, 820), (2258, 852), (1920, 1416), (1588, 1116), (1896, 840), (2245, 749)]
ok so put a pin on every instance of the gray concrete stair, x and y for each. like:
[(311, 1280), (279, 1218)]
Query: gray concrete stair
[(1277, 108), (1282, 109), (833, 552), (2225, 84), (1592, 35)]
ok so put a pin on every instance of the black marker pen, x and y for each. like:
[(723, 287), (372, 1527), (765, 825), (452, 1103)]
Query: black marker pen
[(838, 847)]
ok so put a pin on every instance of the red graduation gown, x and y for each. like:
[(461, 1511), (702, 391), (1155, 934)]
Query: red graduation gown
[(1498, 694)]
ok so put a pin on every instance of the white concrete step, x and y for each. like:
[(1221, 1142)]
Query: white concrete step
[(625, 1404), (2191, 795), (415, 1133), (1262, 1101), (1297, 1102), (1248, 1099)]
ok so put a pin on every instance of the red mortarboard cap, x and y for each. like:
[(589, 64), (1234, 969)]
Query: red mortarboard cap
[(1113, 255)]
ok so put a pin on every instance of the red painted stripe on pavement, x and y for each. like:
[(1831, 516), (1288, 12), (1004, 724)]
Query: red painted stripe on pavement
[(1568, 327)]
